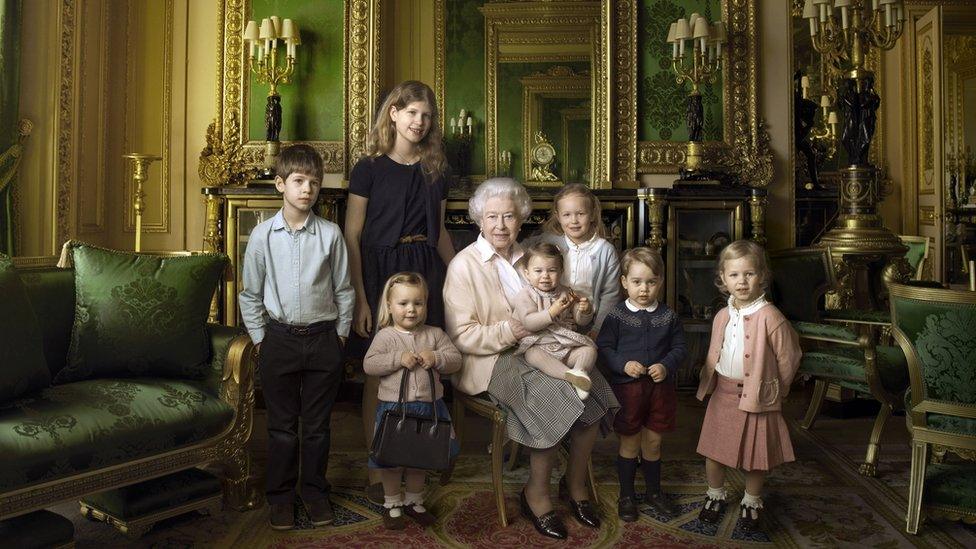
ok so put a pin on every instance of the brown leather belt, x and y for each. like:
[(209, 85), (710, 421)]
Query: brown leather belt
[(412, 238)]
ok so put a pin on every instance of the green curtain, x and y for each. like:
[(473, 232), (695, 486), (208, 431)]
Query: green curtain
[(10, 18)]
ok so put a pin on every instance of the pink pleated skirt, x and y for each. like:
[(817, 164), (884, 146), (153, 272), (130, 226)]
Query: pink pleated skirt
[(744, 440)]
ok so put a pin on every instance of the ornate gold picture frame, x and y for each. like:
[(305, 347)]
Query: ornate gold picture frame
[(227, 140), (744, 149)]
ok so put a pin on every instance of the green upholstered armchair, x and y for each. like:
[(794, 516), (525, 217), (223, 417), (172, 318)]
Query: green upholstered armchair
[(917, 255), (846, 354), (68, 438), (935, 328)]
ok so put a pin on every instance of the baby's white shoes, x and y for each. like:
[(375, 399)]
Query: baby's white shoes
[(580, 381)]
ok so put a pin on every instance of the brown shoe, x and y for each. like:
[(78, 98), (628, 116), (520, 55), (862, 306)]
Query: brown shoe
[(422, 518), (320, 512), (391, 522), (282, 516)]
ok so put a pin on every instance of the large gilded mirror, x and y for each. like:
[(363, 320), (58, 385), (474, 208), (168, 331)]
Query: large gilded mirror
[(329, 100), (538, 91)]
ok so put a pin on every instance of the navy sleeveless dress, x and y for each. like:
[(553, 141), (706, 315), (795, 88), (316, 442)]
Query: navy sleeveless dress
[(401, 203)]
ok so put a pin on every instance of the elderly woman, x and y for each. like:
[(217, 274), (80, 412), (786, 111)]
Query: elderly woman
[(481, 282)]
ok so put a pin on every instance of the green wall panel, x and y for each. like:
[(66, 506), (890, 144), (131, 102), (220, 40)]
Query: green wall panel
[(464, 68), (660, 101), (312, 103)]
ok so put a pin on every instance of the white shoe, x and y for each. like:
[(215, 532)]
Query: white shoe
[(580, 381)]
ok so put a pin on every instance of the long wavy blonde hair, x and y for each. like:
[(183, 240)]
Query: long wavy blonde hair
[(382, 136)]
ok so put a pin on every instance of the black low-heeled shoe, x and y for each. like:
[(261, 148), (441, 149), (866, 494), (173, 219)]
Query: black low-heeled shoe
[(712, 511), (548, 525), (750, 518), (627, 508), (583, 510)]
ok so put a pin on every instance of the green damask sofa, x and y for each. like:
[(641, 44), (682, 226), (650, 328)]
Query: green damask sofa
[(102, 412)]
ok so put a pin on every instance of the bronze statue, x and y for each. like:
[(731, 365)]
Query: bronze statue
[(694, 117), (272, 118), (803, 117), (869, 102), (851, 106)]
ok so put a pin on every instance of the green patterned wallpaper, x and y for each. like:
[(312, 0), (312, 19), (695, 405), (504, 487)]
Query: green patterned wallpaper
[(464, 68), (660, 101), (312, 103)]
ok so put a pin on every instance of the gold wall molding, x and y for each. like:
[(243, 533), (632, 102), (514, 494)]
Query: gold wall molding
[(140, 124), (65, 127), (744, 150)]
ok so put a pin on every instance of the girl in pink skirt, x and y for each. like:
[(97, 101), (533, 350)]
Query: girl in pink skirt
[(753, 356)]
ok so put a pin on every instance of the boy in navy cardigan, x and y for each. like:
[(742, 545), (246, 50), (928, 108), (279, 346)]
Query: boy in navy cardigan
[(643, 344)]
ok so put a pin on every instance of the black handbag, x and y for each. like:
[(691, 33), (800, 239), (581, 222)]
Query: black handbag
[(412, 440)]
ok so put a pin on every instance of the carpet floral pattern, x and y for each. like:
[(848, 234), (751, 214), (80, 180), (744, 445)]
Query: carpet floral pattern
[(818, 501)]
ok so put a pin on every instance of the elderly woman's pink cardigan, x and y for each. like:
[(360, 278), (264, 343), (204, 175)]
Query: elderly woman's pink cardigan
[(476, 316)]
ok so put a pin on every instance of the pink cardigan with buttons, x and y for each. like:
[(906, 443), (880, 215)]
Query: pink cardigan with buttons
[(770, 359)]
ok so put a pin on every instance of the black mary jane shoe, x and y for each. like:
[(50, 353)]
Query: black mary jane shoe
[(548, 525), (750, 518), (712, 511), (627, 509), (583, 510), (660, 503)]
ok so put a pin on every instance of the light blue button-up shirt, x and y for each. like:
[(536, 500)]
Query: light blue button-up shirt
[(296, 276)]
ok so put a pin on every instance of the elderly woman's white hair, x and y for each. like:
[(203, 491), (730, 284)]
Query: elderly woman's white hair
[(499, 187)]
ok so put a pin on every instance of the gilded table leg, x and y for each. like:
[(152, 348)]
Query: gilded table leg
[(816, 401), (869, 467), (498, 428)]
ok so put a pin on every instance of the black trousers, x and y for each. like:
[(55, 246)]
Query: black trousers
[(300, 376)]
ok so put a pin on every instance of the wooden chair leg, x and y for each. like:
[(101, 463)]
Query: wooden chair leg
[(915, 486), (497, 467), (457, 416), (869, 467), (513, 455), (816, 401), (591, 478)]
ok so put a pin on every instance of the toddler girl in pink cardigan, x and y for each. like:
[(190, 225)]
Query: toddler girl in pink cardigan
[(753, 356)]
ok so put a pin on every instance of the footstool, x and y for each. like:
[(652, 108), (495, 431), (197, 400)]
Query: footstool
[(134, 509)]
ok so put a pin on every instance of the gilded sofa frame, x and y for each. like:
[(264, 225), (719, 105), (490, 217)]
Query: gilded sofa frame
[(962, 445), (226, 453)]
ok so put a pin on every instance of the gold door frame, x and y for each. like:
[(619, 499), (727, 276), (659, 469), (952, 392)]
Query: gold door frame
[(361, 71), (567, 117), (561, 82), (744, 149)]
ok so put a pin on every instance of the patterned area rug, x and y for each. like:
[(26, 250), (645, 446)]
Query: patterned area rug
[(818, 501)]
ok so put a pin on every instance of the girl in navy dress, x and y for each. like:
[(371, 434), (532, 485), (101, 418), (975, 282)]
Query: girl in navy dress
[(395, 215)]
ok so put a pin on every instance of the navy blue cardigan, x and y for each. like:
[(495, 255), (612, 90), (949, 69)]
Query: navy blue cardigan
[(648, 338)]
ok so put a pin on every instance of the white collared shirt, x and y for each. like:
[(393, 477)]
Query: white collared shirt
[(508, 275), (578, 274), (730, 361), (634, 308)]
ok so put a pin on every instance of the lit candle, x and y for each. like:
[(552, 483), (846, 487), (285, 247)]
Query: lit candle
[(972, 276), (825, 101), (469, 122)]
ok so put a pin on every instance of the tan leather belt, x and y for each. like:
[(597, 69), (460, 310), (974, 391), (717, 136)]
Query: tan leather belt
[(412, 238)]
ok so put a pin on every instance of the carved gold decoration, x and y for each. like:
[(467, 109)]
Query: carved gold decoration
[(656, 202), (361, 72), (744, 149), (226, 452), (65, 130), (140, 172), (542, 155), (757, 211)]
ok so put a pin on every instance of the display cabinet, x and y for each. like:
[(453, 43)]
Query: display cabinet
[(232, 213), (690, 226)]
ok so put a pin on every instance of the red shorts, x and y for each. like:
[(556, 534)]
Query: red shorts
[(646, 404)]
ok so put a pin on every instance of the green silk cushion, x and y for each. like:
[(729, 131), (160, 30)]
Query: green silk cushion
[(155, 495), (68, 429), (953, 485), (52, 295), (833, 331), (38, 530), (140, 315), (846, 364), (22, 365)]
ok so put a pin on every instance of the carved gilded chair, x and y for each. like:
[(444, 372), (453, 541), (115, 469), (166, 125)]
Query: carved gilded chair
[(842, 352), (917, 255), (935, 328)]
